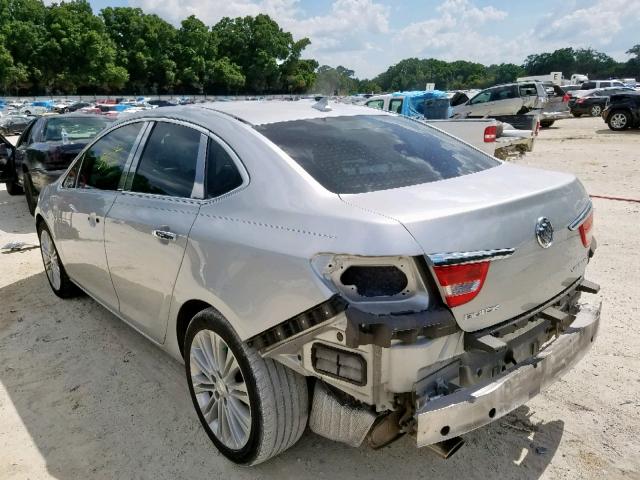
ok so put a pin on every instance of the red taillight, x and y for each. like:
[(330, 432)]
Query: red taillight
[(586, 231), (565, 98), (490, 134), (580, 100), (461, 283)]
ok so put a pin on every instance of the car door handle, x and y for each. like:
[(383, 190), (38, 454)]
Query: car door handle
[(164, 234)]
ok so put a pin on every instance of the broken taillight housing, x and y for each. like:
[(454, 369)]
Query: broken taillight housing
[(490, 134), (461, 283), (586, 231)]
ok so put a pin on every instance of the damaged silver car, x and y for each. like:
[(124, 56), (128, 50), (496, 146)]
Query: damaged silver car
[(327, 265)]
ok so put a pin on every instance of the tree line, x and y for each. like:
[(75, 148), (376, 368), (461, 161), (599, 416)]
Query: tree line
[(415, 73), (67, 49)]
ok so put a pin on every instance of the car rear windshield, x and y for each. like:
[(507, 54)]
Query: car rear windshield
[(73, 128), (366, 153)]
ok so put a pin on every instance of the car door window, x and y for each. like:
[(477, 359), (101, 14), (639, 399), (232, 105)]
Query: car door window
[(376, 104), (222, 173), (103, 163), (395, 105), (605, 84), (70, 180), (502, 93), (168, 164), (26, 137), (528, 90), (482, 97)]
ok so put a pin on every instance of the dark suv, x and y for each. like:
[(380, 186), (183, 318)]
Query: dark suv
[(622, 111), (593, 103)]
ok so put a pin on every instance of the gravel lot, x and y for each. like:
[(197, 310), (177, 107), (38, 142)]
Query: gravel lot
[(84, 396)]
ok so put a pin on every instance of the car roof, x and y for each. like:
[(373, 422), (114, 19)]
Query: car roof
[(260, 112)]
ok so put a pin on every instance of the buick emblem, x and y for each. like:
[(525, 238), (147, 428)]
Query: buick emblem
[(544, 232)]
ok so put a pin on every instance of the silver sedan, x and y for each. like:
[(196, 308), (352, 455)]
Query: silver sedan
[(327, 265)]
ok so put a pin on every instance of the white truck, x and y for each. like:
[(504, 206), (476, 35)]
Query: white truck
[(487, 134)]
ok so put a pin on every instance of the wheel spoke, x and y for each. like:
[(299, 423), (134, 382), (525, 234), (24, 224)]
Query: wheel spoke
[(241, 414), (205, 348), (198, 357), (219, 352)]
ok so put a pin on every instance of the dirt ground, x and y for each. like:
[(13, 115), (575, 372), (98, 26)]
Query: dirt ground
[(83, 396)]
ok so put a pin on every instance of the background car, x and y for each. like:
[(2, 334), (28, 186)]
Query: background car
[(14, 124), (508, 99), (161, 103), (622, 111), (44, 151), (591, 84), (593, 103)]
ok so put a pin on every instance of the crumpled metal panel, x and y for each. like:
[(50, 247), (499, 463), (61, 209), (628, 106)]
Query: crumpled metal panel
[(470, 408), (340, 423)]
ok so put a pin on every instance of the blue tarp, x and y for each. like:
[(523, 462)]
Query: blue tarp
[(48, 104), (432, 104)]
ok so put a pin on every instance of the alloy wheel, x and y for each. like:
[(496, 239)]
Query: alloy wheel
[(220, 389), (596, 110), (50, 258), (618, 120)]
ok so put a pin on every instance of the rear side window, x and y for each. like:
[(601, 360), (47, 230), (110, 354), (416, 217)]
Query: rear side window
[(366, 153), (222, 174), (168, 164), (103, 163)]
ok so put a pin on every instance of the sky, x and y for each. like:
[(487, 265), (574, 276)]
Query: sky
[(370, 35)]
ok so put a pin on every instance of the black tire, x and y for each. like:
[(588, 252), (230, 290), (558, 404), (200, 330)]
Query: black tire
[(614, 124), (577, 115), (30, 193), (278, 396), (67, 288), (546, 123), (595, 111), (13, 188)]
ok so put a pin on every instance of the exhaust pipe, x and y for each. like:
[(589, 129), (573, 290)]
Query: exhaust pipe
[(448, 447)]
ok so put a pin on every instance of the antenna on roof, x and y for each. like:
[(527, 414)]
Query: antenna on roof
[(322, 105)]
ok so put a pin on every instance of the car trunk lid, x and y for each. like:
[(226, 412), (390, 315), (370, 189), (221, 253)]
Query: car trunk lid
[(494, 209)]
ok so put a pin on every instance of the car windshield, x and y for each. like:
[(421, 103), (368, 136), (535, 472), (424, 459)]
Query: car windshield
[(73, 128), (366, 153)]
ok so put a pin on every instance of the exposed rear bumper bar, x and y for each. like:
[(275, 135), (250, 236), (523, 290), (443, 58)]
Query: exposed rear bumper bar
[(470, 408)]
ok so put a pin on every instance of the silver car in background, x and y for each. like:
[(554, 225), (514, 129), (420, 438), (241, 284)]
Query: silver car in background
[(327, 265)]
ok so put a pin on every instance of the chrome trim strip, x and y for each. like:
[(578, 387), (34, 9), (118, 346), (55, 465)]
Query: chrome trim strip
[(460, 258), (581, 217)]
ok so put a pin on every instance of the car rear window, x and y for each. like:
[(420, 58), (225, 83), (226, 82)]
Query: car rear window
[(366, 153), (73, 128)]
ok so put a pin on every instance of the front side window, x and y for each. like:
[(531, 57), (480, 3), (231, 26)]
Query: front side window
[(376, 104), (482, 97), (395, 105), (103, 163), (168, 164), (222, 173), (365, 153), (72, 176)]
